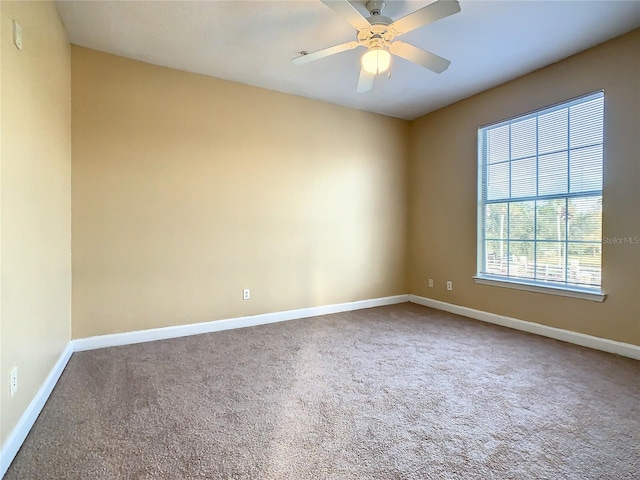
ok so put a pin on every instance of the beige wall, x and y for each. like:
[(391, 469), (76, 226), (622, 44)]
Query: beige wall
[(187, 189), (36, 202), (443, 175)]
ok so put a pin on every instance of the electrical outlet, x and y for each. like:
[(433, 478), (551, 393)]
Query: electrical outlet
[(431, 283), (14, 381), (449, 285), (246, 294)]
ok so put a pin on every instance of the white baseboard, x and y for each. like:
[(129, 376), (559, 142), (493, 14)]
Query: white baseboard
[(597, 343), (21, 430), (140, 336)]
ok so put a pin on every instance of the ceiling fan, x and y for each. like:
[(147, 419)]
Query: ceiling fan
[(377, 34)]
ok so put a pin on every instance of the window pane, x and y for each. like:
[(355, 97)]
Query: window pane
[(521, 220), (523, 178), (498, 181), (586, 169), (550, 221), (552, 174), (553, 130), (495, 261), (498, 144), (584, 263), (521, 259), (551, 261), (495, 223), (523, 138), (585, 219), (587, 123)]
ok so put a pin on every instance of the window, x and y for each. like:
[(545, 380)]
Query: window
[(540, 199)]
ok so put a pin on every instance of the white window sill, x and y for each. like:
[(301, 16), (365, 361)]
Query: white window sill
[(593, 296)]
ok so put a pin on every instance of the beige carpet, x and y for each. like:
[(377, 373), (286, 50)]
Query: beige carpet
[(400, 392)]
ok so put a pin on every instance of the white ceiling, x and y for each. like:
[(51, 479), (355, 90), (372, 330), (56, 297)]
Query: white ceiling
[(252, 42)]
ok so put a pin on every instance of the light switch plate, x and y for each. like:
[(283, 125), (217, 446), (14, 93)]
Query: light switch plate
[(17, 35)]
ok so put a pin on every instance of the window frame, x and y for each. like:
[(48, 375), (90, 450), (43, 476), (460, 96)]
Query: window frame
[(566, 289)]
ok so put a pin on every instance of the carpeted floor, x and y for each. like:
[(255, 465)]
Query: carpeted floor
[(399, 392)]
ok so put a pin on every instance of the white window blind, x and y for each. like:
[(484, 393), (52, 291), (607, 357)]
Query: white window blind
[(540, 196)]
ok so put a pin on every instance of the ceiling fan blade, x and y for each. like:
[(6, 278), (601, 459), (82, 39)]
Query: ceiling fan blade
[(432, 12), (348, 12), (325, 52), (365, 82), (423, 58)]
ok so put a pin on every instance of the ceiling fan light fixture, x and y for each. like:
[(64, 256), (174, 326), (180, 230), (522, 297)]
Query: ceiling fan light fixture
[(376, 60)]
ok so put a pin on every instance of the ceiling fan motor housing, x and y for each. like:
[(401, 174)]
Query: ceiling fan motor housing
[(378, 30)]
